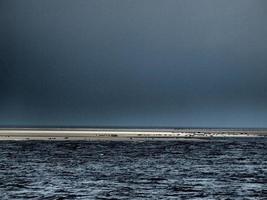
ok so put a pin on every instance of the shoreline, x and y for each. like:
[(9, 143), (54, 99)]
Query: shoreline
[(64, 134)]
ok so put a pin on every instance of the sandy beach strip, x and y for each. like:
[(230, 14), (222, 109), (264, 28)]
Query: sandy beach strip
[(120, 134)]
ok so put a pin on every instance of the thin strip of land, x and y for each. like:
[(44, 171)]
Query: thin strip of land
[(123, 134)]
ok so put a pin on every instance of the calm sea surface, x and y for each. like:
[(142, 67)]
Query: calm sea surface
[(212, 169)]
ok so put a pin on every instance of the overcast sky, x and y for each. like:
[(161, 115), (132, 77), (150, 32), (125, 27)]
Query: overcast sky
[(171, 63)]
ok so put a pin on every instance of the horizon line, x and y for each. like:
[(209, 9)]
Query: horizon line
[(127, 127)]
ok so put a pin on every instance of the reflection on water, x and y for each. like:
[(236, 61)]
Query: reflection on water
[(213, 169)]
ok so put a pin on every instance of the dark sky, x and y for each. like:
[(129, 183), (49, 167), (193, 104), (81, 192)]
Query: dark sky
[(179, 63)]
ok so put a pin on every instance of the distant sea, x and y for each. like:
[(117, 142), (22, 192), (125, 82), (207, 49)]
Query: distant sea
[(229, 168)]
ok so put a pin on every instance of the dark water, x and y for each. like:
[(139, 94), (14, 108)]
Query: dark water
[(214, 169)]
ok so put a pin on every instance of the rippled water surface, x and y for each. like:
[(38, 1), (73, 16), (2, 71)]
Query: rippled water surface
[(212, 169)]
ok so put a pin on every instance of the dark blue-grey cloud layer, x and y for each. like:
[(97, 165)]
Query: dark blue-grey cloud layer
[(133, 63)]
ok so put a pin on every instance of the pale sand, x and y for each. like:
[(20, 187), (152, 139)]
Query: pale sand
[(121, 134)]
